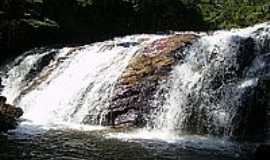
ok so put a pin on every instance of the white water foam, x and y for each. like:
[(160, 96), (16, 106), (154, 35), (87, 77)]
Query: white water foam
[(194, 76), (77, 82)]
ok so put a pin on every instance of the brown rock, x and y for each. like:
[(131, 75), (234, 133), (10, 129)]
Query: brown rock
[(138, 84), (8, 115)]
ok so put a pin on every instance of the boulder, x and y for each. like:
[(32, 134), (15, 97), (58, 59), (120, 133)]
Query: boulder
[(138, 83), (9, 115)]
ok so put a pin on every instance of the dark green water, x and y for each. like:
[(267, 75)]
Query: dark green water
[(93, 145)]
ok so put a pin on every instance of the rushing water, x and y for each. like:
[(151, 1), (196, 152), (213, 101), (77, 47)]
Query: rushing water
[(73, 81), (217, 77), (60, 88)]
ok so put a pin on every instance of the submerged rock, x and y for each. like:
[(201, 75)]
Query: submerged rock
[(138, 83), (8, 115)]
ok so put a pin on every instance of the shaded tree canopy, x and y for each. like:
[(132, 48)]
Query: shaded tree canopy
[(29, 23)]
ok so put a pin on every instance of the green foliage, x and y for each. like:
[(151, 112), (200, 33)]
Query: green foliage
[(234, 13), (76, 21), (133, 16)]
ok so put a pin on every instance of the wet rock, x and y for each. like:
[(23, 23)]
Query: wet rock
[(1, 85), (138, 84), (246, 53), (247, 116), (9, 115), (127, 44), (250, 119)]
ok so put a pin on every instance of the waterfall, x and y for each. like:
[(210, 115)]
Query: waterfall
[(67, 85), (217, 85), (216, 82)]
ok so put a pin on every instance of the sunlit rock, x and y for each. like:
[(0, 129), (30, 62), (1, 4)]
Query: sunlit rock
[(138, 83)]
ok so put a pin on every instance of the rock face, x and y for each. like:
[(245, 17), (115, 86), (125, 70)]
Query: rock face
[(8, 114), (137, 85)]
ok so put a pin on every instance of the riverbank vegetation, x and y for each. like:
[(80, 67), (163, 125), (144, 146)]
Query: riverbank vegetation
[(31, 23)]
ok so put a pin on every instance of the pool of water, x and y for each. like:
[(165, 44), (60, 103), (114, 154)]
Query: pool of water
[(116, 144)]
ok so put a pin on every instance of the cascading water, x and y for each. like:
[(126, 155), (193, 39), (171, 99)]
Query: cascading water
[(219, 87), (65, 85), (214, 83), (210, 89)]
